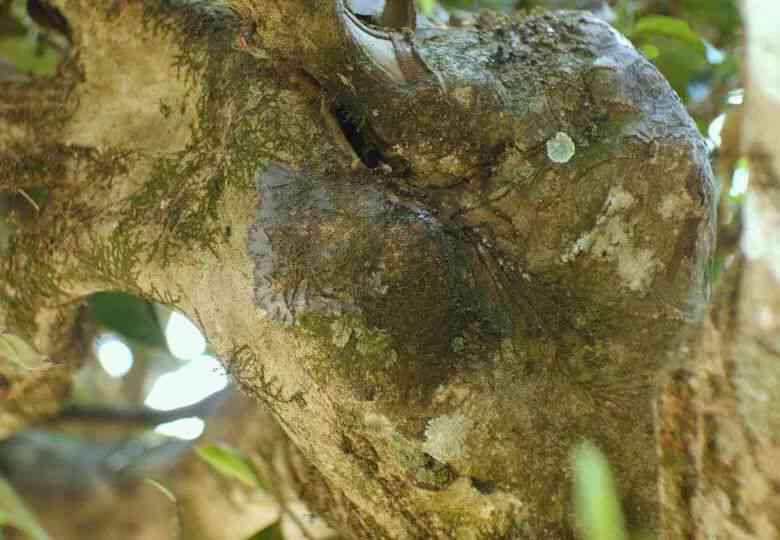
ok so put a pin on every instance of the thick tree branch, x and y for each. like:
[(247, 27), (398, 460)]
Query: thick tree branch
[(436, 328)]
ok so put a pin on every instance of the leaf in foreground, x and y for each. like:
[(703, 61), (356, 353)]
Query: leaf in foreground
[(272, 532), (228, 462), (15, 513), (596, 503)]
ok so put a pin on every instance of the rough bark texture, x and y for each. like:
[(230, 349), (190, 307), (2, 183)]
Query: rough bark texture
[(718, 416), (435, 326)]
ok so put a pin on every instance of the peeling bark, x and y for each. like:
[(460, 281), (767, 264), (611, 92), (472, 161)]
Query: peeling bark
[(434, 328)]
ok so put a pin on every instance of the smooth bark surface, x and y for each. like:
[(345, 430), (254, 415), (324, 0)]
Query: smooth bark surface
[(442, 259)]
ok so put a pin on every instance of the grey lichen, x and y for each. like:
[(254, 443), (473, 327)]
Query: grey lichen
[(445, 437), (560, 148)]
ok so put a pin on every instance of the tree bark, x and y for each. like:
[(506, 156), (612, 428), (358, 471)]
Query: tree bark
[(718, 409), (442, 259)]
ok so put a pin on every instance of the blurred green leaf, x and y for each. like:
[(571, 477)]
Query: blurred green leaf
[(596, 503), (15, 513), (719, 15), (20, 44), (229, 463), (20, 352), (679, 62), (272, 532), (650, 51), (128, 316), (425, 7), (669, 27), (23, 53)]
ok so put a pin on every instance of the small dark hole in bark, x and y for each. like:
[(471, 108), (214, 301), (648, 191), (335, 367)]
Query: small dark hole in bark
[(366, 151), (483, 486)]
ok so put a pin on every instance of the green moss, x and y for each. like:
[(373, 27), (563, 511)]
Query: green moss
[(356, 351), (35, 273), (249, 371), (246, 118)]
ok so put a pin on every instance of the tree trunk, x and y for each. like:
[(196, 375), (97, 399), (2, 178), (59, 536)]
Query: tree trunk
[(442, 259), (718, 417)]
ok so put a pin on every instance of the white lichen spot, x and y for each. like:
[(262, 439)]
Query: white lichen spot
[(761, 232), (445, 437), (636, 267), (583, 243), (560, 148), (612, 239)]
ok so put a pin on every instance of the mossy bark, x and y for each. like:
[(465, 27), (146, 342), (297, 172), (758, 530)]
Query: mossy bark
[(434, 326)]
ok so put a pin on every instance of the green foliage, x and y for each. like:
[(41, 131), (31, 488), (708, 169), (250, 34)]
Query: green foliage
[(425, 6), (676, 49), (717, 19), (128, 316), (21, 42), (229, 463), (669, 27), (14, 513), (272, 532), (679, 45), (596, 503)]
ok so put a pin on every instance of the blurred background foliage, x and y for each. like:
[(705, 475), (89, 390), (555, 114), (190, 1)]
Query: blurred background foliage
[(151, 380)]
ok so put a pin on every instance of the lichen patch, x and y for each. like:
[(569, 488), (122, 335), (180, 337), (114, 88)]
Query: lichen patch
[(445, 437), (613, 239), (560, 148)]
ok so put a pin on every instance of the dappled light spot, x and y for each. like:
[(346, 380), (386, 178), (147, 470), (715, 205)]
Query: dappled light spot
[(740, 179), (186, 429), (191, 383), (736, 96), (715, 128), (184, 339), (115, 357)]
